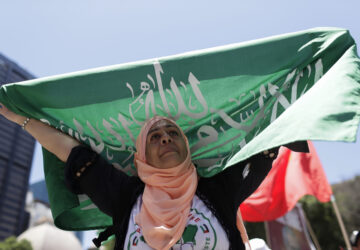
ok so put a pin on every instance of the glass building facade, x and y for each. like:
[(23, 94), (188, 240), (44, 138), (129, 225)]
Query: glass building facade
[(16, 153)]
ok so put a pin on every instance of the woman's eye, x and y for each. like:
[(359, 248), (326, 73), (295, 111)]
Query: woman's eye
[(154, 137), (173, 133)]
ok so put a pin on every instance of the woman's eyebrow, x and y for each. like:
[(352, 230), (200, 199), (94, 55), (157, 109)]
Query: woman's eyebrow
[(157, 128)]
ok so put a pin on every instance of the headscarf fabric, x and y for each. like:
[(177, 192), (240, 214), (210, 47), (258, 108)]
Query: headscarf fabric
[(167, 196)]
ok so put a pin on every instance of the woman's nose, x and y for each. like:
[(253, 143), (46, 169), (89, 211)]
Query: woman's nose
[(165, 139)]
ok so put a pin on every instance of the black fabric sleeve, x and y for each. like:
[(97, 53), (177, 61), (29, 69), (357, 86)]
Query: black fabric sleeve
[(239, 181), (253, 172), (298, 146), (102, 182), (224, 192)]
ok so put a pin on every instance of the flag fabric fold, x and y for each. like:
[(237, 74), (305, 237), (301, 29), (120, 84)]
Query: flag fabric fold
[(232, 102), (292, 176)]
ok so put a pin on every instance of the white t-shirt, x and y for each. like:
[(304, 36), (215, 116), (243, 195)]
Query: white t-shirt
[(202, 231)]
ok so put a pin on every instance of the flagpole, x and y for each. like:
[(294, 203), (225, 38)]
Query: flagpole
[(341, 223), (312, 234)]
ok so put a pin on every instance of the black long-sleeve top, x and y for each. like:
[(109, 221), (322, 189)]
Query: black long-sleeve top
[(115, 193)]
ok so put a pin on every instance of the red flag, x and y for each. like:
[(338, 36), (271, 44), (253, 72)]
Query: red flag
[(292, 176)]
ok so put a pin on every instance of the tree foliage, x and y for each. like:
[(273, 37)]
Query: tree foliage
[(347, 196), (11, 243), (255, 230), (322, 219)]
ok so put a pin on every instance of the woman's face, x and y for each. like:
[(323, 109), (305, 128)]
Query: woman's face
[(165, 147)]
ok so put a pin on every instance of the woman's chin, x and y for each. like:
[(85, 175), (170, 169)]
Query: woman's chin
[(170, 161)]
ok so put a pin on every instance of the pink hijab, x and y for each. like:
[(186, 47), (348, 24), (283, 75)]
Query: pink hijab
[(167, 196)]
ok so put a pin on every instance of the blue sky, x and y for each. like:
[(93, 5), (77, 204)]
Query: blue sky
[(54, 37)]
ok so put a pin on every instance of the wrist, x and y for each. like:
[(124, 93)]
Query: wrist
[(19, 119), (25, 122)]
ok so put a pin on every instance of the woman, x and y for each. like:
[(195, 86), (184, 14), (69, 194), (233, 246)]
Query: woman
[(168, 206)]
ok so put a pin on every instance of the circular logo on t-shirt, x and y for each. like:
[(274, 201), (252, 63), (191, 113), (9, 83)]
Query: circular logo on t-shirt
[(199, 233)]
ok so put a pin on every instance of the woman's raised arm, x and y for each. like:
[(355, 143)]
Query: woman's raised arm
[(50, 138)]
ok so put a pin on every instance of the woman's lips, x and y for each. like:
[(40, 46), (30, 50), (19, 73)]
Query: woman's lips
[(168, 149)]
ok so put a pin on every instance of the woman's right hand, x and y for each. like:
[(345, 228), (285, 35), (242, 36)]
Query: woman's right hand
[(50, 138), (11, 116)]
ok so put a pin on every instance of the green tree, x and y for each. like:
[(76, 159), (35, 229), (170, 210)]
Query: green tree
[(347, 194), (322, 218), (255, 230), (11, 243)]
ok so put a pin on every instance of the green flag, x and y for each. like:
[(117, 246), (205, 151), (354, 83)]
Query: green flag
[(232, 102)]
